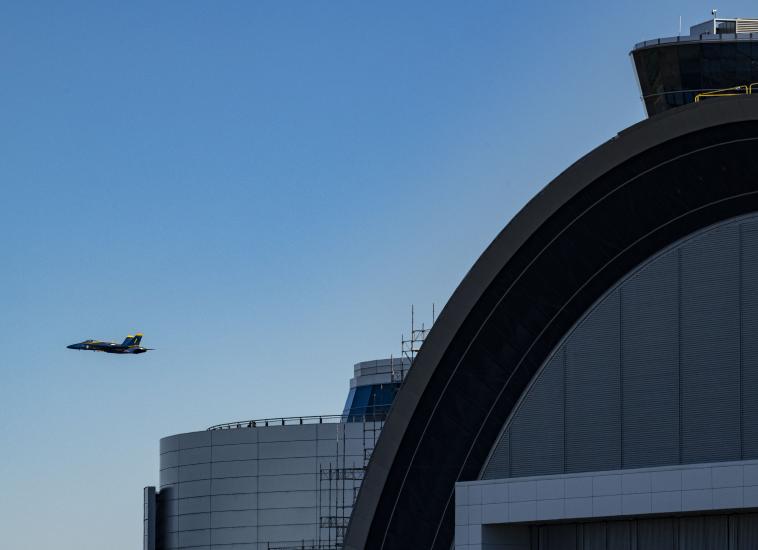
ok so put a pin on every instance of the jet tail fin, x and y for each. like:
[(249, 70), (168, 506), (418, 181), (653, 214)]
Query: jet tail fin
[(128, 340), (137, 339)]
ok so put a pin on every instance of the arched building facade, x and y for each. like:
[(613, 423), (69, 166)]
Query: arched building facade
[(593, 381)]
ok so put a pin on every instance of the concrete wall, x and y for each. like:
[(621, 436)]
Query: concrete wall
[(248, 488)]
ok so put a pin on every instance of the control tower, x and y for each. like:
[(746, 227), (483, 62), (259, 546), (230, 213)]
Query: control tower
[(718, 57)]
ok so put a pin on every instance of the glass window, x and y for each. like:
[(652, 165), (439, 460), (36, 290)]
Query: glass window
[(349, 401)]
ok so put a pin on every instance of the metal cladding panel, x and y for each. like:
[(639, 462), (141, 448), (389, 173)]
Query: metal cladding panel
[(169, 459), (193, 505), (169, 444), (253, 487), (499, 465), (192, 522), (593, 387), (244, 501), (665, 366), (650, 364), (234, 468), (169, 476), (243, 451), (194, 472), (233, 535), (749, 322), (536, 441), (194, 488), (233, 437), (710, 347), (196, 455), (278, 466), (194, 538), (234, 518), (234, 485)]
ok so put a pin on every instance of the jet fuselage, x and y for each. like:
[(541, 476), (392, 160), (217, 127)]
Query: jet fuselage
[(130, 345)]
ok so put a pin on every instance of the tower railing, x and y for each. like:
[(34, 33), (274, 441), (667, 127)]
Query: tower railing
[(742, 89)]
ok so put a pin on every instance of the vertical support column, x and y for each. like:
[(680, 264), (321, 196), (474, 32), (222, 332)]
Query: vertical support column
[(148, 537)]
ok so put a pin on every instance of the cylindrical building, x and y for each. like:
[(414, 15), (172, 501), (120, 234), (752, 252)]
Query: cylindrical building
[(286, 483)]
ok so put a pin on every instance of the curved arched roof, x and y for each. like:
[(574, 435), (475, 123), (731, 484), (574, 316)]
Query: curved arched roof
[(649, 186)]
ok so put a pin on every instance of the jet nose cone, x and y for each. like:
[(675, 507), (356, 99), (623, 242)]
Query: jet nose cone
[(72, 346)]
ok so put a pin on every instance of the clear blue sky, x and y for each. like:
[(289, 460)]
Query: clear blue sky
[(263, 189)]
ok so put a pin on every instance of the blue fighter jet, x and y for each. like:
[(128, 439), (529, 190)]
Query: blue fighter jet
[(129, 345)]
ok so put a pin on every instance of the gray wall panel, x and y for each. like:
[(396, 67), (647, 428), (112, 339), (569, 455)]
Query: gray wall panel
[(193, 488), (662, 370), (233, 437), (196, 455), (650, 365), (244, 451), (234, 518), (295, 482), (169, 459), (299, 499), (710, 346), (169, 476), (749, 293), (194, 505), (188, 539), (593, 386), (234, 535), (194, 472), (190, 522), (287, 449), (236, 468), (537, 433), (194, 439), (247, 501), (499, 465), (232, 485), (170, 443), (292, 533), (287, 516), (275, 466), (307, 432)]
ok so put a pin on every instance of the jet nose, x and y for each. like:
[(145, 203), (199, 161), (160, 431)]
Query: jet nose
[(72, 346)]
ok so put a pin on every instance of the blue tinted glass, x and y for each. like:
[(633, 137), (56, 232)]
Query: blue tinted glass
[(370, 402), (349, 401), (361, 399)]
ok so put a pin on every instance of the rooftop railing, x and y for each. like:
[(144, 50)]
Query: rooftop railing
[(697, 38), (379, 414)]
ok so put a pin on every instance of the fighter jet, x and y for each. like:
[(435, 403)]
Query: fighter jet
[(129, 345)]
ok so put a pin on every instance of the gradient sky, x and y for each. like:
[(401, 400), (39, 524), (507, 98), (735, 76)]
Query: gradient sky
[(263, 189)]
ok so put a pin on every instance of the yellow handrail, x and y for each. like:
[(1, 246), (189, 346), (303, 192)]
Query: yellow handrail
[(743, 89)]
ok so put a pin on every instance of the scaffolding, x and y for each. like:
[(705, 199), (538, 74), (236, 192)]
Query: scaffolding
[(412, 345), (340, 479), (337, 490)]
